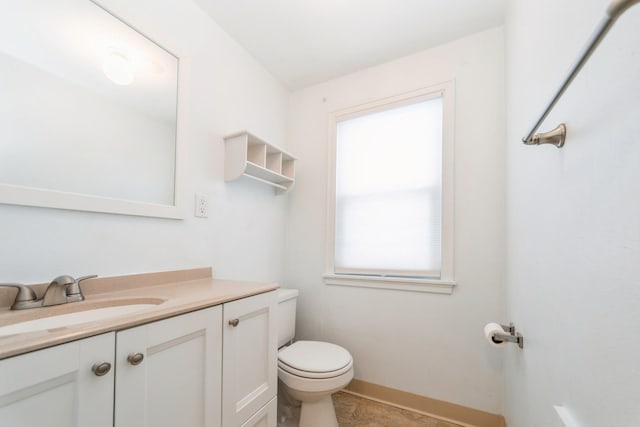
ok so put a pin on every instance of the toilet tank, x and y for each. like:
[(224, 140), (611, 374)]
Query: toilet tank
[(286, 315)]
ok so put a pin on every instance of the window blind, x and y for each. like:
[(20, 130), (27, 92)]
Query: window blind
[(389, 191)]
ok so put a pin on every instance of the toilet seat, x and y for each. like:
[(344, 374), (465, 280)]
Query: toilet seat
[(315, 360), (316, 385)]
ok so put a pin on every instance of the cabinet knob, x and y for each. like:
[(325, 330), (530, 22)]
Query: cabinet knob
[(135, 358), (101, 368), (234, 322)]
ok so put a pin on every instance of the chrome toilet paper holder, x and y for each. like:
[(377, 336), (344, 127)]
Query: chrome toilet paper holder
[(510, 336)]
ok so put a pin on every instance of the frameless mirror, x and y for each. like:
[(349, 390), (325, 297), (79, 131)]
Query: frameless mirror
[(88, 111)]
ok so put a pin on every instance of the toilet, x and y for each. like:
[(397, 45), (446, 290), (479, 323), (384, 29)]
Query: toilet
[(309, 371)]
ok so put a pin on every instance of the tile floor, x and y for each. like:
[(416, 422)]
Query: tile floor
[(354, 411)]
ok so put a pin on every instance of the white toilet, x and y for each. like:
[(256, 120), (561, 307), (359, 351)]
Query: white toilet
[(309, 371)]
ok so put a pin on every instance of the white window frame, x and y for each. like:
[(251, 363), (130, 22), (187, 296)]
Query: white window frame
[(446, 282)]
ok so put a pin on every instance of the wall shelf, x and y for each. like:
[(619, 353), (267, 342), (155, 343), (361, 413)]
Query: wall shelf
[(247, 155)]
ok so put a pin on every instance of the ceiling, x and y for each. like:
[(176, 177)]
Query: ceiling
[(303, 42)]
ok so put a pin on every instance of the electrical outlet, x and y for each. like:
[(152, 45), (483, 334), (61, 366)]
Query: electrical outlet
[(202, 206)]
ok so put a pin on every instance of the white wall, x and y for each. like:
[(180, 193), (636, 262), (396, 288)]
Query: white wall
[(573, 219), (222, 90), (427, 344)]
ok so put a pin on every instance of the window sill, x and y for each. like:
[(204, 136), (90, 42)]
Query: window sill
[(435, 286)]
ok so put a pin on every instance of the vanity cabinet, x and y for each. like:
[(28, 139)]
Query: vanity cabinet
[(265, 417), (56, 387), (168, 373), (250, 351), (211, 367)]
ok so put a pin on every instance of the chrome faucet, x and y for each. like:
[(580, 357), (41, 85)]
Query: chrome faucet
[(61, 290)]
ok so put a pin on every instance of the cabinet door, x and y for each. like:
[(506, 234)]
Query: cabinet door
[(265, 417), (177, 383), (56, 387), (250, 354)]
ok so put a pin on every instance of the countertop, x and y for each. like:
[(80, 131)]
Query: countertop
[(178, 292)]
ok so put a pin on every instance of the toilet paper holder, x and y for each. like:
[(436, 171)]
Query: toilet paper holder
[(511, 336)]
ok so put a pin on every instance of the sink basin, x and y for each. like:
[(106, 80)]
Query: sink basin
[(84, 313)]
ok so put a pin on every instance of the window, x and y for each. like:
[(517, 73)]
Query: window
[(390, 198)]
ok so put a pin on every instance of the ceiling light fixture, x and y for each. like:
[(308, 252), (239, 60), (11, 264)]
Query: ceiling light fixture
[(118, 67)]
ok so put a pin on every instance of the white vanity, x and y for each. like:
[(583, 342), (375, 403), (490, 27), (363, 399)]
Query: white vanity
[(205, 356)]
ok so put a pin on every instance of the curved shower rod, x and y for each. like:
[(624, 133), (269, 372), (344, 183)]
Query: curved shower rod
[(557, 136)]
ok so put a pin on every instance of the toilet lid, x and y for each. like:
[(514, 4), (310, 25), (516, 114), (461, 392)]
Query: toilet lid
[(314, 359)]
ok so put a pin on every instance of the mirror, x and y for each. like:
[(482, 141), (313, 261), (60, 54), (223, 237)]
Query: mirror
[(88, 112)]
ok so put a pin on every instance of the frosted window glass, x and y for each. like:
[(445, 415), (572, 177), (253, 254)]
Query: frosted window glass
[(389, 191)]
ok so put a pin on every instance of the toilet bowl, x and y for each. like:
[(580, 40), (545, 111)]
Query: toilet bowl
[(310, 371)]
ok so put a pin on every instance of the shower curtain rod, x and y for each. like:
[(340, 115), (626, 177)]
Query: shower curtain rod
[(557, 136)]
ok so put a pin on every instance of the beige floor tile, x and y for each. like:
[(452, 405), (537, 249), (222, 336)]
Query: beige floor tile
[(345, 404), (354, 411)]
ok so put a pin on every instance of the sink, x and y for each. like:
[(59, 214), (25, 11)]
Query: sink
[(83, 313)]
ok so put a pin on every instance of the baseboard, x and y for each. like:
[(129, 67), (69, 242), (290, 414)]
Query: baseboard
[(458, 414)]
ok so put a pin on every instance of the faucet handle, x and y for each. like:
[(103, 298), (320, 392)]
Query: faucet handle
[(74, 293), (25, 294), (62, 280)]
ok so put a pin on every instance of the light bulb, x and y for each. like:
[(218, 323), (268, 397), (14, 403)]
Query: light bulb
[(118, 68)]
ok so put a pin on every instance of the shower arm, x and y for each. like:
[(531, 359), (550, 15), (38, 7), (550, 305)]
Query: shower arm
[(557, 136)]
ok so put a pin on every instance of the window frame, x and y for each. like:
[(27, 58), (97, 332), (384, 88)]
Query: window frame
[(377, 278)]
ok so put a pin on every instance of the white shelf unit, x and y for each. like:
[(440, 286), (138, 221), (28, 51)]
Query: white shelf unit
[(247, 155)]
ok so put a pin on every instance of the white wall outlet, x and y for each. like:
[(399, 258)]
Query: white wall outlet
[(202, 206)]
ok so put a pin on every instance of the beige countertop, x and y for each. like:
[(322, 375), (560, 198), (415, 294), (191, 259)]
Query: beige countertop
[(171, 293)]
